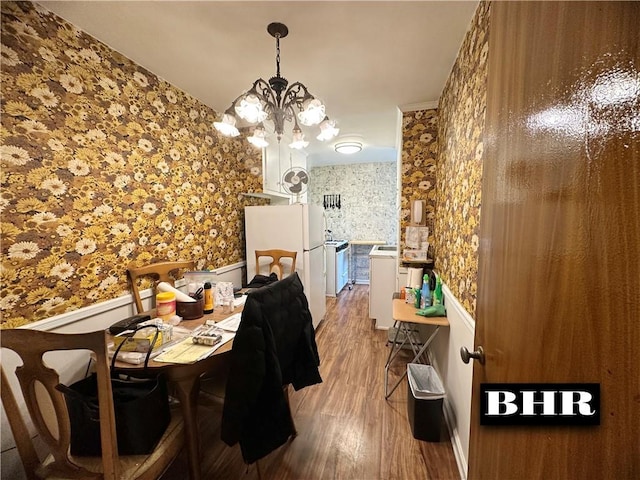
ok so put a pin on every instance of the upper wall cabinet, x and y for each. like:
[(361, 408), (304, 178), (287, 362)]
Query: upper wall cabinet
[(277, 159)]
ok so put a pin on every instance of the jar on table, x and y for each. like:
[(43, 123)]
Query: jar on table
[(166, 305)]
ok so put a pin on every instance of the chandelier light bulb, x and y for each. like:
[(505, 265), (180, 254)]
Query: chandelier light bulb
[(277, 101), (312, 113), (250, 109), (227, 126), (328, 130), (258, 139), (298, 142)]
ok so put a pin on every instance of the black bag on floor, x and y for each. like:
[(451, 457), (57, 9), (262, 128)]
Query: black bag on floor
[(141, 408)]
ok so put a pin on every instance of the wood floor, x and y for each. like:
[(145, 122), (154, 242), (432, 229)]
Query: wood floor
[(346, 429)]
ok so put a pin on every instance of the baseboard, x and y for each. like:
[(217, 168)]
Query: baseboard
[(454, 437), (461, 323), (458, 451)]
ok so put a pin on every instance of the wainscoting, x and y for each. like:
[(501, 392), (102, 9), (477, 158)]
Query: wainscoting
[(72, 366), (346, 313), (456, 376)]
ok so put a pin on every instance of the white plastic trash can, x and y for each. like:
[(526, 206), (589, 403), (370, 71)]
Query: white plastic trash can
[(425, 396)]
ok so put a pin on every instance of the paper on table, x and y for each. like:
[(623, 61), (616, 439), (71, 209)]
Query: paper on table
[(229, 324), (136, 358), (239, 300), (188, 352), (180, 297)]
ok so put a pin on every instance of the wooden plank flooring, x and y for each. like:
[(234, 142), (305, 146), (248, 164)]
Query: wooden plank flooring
[(346, 429)]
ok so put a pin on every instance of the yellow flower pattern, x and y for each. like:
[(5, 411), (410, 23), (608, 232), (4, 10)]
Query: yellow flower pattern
[(461, 112), (103, 164), (419, 149)]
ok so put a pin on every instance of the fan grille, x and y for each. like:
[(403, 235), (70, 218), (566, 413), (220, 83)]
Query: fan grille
[(295, 181)]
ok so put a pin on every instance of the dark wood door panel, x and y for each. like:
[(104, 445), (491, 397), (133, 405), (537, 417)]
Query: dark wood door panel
[(559, 266)]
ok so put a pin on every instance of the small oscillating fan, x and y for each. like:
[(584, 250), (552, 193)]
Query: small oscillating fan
[(295, 181)]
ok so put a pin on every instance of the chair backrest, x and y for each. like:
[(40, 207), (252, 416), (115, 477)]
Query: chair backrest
[(46, 406), (47, 410), (159, 271), (276, 262)]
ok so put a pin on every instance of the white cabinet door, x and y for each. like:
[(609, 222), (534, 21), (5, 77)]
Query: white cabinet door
[(271, 171), (277, 159), (331, 271), (342, 269)]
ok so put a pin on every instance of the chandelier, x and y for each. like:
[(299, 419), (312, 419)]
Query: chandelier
[(278, 102)]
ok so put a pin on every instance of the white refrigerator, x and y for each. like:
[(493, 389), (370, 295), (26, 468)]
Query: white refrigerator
[(296, 227)]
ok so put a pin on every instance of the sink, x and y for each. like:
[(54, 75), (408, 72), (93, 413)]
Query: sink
[(384, 250)]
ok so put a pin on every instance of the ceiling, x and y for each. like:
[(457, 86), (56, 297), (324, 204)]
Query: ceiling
[(363, 59)]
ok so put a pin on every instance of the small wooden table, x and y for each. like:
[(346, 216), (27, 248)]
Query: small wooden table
[(404, 316), (186, 380)]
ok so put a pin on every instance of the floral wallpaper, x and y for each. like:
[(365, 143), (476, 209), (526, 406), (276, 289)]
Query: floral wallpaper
[(103, 164), (459, 173), (419, 153), (368, 194), (369, 197)]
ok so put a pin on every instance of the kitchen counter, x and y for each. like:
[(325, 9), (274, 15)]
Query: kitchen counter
[(359, 259), (384, 251)]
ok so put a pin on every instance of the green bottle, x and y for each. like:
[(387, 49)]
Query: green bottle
[(437, 293)]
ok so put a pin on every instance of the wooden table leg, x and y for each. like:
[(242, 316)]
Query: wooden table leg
[(187, 389)]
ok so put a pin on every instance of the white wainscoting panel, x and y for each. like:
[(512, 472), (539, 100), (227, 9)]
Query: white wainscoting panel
[(72, 366), (456, 376)]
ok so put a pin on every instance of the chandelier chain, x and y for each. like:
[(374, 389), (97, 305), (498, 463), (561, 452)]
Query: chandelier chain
[(278, 54), (277, 101)]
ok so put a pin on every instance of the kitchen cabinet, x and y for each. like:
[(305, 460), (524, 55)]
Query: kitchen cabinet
[(277, 158)]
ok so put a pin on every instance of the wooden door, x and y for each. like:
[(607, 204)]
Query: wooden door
[(559, 266)]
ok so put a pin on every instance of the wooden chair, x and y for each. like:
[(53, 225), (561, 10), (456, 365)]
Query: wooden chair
[(47, 410), (160, 271), (276, 256)]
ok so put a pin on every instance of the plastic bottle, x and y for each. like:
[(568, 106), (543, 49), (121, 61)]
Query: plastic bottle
[(166, 305), (425, 294), (208, 298), (437, 293)]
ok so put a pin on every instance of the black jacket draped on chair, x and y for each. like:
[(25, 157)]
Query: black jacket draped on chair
[(274, 346)]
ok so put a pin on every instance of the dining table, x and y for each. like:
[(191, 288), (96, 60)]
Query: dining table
[(185, 381)]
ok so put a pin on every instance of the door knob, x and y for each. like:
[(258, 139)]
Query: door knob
[(467, 355)]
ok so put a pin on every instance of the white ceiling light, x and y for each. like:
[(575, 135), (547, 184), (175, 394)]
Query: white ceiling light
[(348, 148), (276, 101)]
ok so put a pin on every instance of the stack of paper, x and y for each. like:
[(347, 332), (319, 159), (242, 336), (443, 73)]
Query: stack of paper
[(188, 352), (229, 324)]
